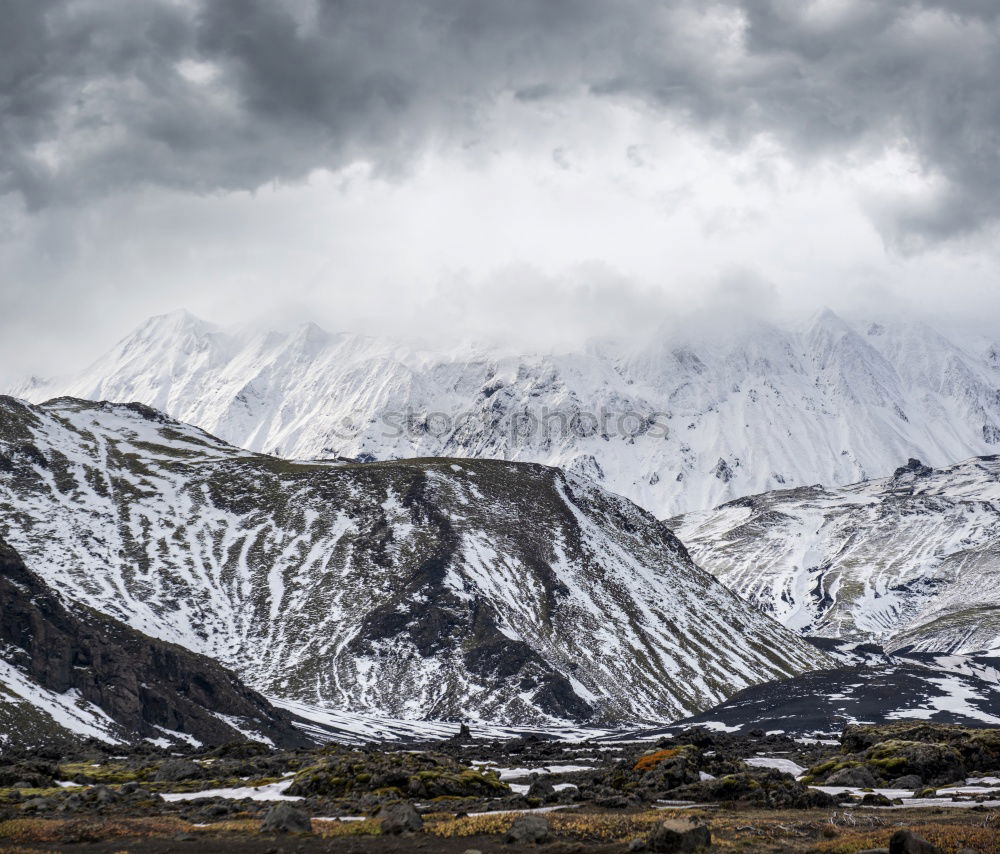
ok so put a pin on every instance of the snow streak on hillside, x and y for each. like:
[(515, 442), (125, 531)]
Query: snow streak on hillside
[(436, 589), (910, 560), (683, 423)]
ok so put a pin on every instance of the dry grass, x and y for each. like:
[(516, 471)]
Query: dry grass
[(230, 825), (49, 830), (581, 827), (328, 829), (950, 837)]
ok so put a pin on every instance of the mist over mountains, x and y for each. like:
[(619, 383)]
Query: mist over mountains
[(682, 422)]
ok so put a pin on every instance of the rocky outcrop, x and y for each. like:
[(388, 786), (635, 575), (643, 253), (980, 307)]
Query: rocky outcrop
[(425, 775), (148, 688), (921, 753)]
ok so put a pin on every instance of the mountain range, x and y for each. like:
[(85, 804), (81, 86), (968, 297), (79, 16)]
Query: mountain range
[(911, 560), (706, 412), (374, 536), (479, 590)]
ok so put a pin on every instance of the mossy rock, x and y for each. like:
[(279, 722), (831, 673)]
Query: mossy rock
[(759, 787), (664, 768), (979, 748), (427, 775), (108, 773), (934, 763)]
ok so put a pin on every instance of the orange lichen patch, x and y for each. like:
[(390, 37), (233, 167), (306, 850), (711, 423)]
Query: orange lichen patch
[(651, 760)]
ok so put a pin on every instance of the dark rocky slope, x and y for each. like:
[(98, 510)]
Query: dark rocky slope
[(870, 686), (147, 688)]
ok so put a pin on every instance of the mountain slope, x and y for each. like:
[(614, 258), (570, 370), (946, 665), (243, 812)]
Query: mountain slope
[(700, 415), (73, 671), (867, 686), (418, 589), (912, 560)]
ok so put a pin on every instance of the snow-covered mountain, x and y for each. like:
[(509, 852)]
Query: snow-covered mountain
[(707, 412), (912, 560), (68, 673), (437, 588)]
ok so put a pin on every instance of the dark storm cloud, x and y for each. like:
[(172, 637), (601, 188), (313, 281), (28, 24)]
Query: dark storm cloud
[(96, 95)]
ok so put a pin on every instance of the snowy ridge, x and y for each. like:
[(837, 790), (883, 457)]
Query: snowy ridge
[(424, 589), (912, 560), (685, 422)]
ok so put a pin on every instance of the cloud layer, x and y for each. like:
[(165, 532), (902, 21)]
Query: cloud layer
[(100, 95), (542, 168)]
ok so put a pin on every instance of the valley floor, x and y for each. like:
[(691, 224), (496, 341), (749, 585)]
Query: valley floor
[(581, 832), (753, 793)]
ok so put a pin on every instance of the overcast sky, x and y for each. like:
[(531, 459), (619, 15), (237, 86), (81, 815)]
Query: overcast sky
[(530, 170)]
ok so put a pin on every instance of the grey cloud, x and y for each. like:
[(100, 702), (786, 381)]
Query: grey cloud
[(298, 86)]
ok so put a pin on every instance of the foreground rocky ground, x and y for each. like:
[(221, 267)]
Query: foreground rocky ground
[(696, 790)]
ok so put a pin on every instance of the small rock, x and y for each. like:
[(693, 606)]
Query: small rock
[(71, 803), (673, 836), (129, 787), (612, 802), (858, 777), (873, 799), (185, 837), (477, 851), (283, 818), (400, 817), (104, 795), (967, 851), (637, 844), (874, 851), (541, 789), (910, 781), (905, 842), (528, 828), (175, 770)]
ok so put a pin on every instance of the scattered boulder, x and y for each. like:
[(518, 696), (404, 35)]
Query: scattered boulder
[(908, 781), (873, 799), (176, 770), (935, 764), (419, 775), (905, 842), (543, 790), (674, 836), (857, 776), (28, 775), (284, 818), (399, 817), (528, 829), (978, 748), (760, 787), (664, 768)]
